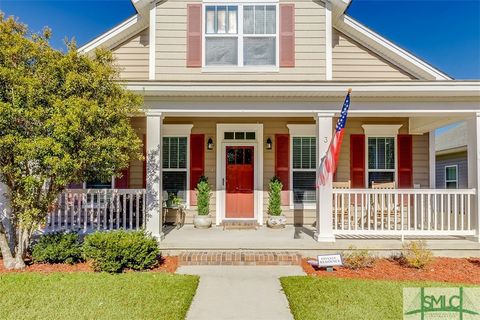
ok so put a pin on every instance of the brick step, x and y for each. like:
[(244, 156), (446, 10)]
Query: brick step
[(239, 224), (239, 258)]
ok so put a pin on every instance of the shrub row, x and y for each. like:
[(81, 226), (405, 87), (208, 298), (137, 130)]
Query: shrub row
[(112, 251)]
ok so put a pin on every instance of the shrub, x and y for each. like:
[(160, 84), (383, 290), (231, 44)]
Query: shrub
[(274, 197), (57, 248), (115, 251), (204, 193), (358, 259), (415, 254)]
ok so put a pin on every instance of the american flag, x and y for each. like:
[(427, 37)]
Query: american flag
[(330, 161)]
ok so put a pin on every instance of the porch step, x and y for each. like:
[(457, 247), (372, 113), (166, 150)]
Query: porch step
[(239, 224), (239, 258)]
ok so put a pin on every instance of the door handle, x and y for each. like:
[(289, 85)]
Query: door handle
[(223, 182)]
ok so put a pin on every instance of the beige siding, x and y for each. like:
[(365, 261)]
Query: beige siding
[(132, 57), (421, 165), (171, 46), (351, 61), (272, 126)]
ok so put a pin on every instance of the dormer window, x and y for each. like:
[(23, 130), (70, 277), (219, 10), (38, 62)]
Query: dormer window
[(241, 35)]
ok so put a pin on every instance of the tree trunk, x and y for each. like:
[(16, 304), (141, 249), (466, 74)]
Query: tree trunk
[(11, 260)]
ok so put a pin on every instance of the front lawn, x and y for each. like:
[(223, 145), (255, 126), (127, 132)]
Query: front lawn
[(334, 298), (95, 296)]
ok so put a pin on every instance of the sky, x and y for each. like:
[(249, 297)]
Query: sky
[(445, 33)]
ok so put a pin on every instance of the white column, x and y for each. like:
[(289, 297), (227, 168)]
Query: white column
[(324, 231), (473, 151), (432, 158), (154, 175)]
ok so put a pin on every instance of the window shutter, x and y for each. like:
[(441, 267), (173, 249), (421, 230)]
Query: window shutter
[(405, 161), (287, 35), (282, 164), (197, 163), (194, 35), (357, 160), (144, 171), (124, 181)]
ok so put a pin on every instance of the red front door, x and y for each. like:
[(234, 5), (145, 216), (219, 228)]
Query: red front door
[(239, 182)]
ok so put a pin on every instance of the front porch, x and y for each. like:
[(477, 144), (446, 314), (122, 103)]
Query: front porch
[(300, 239)]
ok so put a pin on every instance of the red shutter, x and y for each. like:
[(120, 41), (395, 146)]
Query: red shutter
[(124, 181), (287, 35), (144, 171), (282, 164), (197, 163), (405, 161), (357, 160), (194, 35)]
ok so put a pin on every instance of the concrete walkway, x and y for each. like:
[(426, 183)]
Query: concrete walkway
[(240, 292)]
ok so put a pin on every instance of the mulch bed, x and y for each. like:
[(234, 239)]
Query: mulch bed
[(166, 264), (441, 269)]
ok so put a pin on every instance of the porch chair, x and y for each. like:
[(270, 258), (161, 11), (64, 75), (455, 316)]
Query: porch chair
[(338, 210), (389, 210)]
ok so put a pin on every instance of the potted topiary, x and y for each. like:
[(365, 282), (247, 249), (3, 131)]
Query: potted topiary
[(275, 218), (202, 220)]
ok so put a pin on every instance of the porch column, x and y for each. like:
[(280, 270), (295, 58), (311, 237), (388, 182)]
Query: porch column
[(473, 151), (154, 175), (324, 226), (432, 159)]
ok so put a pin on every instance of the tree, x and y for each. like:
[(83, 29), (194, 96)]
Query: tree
[(63, 119)]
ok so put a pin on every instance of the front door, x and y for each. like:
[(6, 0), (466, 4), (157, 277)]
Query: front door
[(239, 182)]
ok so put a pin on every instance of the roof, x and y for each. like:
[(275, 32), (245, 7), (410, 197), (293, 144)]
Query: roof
[(452, 140)]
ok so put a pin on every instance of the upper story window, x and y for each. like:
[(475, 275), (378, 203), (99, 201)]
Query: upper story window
[(241, 35)]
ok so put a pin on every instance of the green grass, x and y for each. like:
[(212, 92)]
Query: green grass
[(96, 296), (334, 298)]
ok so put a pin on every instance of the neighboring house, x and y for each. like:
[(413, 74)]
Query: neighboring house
[(452, 158), (247, 90)]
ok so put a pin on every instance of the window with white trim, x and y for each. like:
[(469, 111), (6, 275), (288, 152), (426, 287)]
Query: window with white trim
[(241, 35), (304, 173), (451, 177), (174, 166), (381, 160)]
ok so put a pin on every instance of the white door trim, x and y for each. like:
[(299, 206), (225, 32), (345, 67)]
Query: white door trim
[(221, 166)]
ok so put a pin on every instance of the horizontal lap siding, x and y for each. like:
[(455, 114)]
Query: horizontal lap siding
[(421, 164), (136, 166), (171, 46), (132, 57), (351, 61), (461, 160)]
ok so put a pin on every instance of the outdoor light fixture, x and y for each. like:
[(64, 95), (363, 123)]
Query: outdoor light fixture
[(210, 144), (269, 144)]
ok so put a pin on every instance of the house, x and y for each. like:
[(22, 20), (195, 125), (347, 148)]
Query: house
[(452, 158), (244, 91)]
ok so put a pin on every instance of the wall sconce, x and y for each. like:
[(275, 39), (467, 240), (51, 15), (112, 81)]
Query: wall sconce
[(210, 144), (269, 144)]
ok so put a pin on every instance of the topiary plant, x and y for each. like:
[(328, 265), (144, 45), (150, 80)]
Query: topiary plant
[(274, 197), (204, 193)]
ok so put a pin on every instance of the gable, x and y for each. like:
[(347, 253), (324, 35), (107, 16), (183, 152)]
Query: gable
[(132, 57), (352, 61)]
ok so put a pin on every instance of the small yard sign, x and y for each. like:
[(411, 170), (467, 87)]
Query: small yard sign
[(329, 261)]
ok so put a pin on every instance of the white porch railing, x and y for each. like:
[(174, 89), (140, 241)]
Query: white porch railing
[(403, 212), (98, 209)]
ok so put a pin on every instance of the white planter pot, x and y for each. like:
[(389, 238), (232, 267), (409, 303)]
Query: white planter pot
[(202, 222), (276, 222)]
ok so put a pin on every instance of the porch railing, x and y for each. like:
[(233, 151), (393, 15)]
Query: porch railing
[(403, 211), (98, 209)]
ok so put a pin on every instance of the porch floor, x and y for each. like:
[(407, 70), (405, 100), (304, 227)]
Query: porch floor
[(300, 239)]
